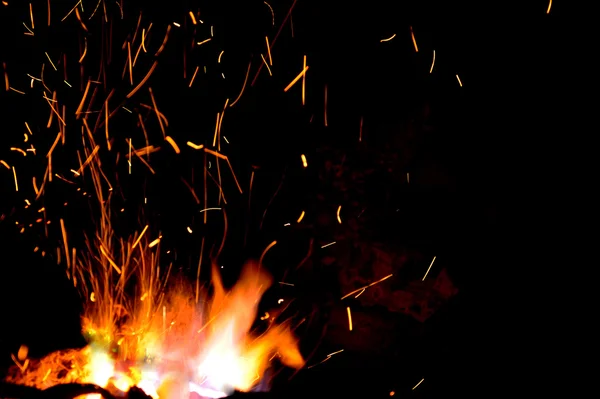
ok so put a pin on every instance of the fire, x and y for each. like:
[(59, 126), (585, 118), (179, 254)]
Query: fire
[(209, 349)]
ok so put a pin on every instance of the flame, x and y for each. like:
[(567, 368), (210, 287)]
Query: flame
[(184, 347)]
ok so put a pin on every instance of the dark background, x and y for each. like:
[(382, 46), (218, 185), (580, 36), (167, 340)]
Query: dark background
[(477, 155)]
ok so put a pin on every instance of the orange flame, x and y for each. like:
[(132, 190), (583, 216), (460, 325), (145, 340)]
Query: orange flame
[(172, 352)]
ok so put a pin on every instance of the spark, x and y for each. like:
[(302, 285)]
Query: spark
[(153, 243), (195, 146), (3, 163), (164, 43), (429, 268), (112, 262), (419, 383), (243, 86), (65, 243), (367, 286), (129, 160), (412, 34), (304, 161), (144, 39), (142, 82), (326, 359), (18, 150), (16, 91), (220, 55), (459, 82), (339, 219), (176, 24), (269, 51), (265, 61), (194, 76), (301, 217), (361, 129), (262, 256), (272, 13), (193, 18), (129, 63), (31, 16), (304, 81), (549, 7), (204, 41), (29, 31), (51, 63), (139, 238), (16, 182), (296, 79), (328, 245), (173, 144), (349, 318), (388, 39), (210, 209), (432, 62), (189, 230), (407, 177)]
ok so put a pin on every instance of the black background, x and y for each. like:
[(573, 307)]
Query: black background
[(493, 138)]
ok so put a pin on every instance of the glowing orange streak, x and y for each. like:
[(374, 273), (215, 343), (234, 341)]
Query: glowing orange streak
[(106, 124), (89, 159), (304, 81), (388, 39), (432, 62), (262, 256), (547, 11), (275, 38), (6, 82), (191, 191), (143, 80), (195, 146), (53, 145), (18, 150), (139, 238), (265, 61), (129, 62), (269, 51), (339, 219), (2, 162), (164, 43), (64, 235), (349, 318), (136, 153), (301, 217), (158, 114), (112, 263), (16, 182), (412, 34), (230, 167), (48, 12), (173, 144), (367, 286), (54, 110), (296, 79), (31, 16), (194, 76), (85, 93), (243, 86)]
